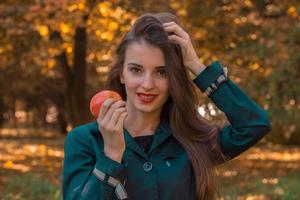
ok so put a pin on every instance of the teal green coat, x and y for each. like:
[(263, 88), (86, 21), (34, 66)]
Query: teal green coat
[(171, 175)]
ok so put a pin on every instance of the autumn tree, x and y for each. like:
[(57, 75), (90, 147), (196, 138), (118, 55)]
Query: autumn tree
[(58, 52)]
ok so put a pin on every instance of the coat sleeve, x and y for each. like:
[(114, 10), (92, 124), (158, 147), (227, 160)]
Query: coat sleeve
[(248, 121), (80, 159)]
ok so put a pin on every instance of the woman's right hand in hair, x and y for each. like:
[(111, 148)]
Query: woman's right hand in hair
[(110, 122)]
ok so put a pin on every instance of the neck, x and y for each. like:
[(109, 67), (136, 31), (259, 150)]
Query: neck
[(141, 125)]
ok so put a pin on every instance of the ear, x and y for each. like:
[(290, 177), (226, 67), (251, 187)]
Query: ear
[(122, 79)]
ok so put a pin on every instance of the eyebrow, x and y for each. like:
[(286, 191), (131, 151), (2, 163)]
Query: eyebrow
[(138, 65)]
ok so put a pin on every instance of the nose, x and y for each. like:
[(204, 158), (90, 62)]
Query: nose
[(147, 82)]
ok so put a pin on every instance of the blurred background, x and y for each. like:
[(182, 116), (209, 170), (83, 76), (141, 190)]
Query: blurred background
[(55, 55)]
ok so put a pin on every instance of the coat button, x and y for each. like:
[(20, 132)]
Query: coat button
[(147, 166)]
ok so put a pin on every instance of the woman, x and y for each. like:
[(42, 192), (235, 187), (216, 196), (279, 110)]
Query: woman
[(155, 145)]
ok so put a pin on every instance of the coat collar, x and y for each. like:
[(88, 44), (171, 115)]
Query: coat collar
[(162, 132)]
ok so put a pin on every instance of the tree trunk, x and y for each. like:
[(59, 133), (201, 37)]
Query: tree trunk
[(79, 80), (75, 77), (1, 111)]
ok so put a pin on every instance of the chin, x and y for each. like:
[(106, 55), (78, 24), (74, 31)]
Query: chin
[(148, 108)]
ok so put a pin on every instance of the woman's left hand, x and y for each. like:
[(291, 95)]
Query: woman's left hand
[(190, 58)]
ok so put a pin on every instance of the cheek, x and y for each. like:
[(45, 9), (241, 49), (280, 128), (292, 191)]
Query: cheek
[(131, 81), (165, 87), (132, 85)]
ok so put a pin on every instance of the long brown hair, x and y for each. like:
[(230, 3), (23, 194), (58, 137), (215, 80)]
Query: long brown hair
[(196, 135)]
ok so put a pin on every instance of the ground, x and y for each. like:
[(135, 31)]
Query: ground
[(31, 163)]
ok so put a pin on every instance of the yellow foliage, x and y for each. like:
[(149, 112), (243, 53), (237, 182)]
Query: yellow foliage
[(232, 45), (254, 66), (9, 47), (65, 28), (271, 181), (103, 35), (103, 21), (240, 20), (128, 16), (112, 26), (42, 147), (68, 47), (8, 164), (292, 102), (102, 69), (69, 128), (81, 6), (69, 50), (175, 5), (202, 59), (72, 7), (236, 79), (54, 153), (106, 36), (227, 8), (43, 30), (65, 45), (98, 33), (104, 8), (253, 36), (248, 3), (90, 57), (292, 11), (51, 63), (110, 37), (182, 12), (200, 35), (267, 71), (89, 22), (50, 152), (239, 61), (53, 51), (117, 13)]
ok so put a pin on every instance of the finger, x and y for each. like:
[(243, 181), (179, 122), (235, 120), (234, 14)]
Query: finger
[(107, 104), (112, 109), (120, 121), (104, 108), (169, 23), (175, 28), (114, 118), (178, 40)]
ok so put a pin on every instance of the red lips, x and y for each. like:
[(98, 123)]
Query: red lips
[(147, 94), (146, 98)]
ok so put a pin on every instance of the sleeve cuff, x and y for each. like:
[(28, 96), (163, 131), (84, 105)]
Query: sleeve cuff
[(111, 167), (208, 75)]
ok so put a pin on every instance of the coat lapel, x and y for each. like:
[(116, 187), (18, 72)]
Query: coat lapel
[(131, 144), (162, 132)]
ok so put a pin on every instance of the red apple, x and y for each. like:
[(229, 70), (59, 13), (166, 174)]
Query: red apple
[(99, 98)]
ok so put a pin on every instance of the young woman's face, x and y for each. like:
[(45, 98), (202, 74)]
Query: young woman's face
[(144, 72)]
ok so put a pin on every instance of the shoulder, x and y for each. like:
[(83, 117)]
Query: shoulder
[(82, 134)]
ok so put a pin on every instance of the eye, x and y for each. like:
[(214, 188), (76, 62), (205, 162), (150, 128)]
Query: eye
[(134, 69), (162, 73)]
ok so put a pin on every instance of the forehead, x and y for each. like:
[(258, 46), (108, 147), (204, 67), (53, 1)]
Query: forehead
[(144, 53)]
